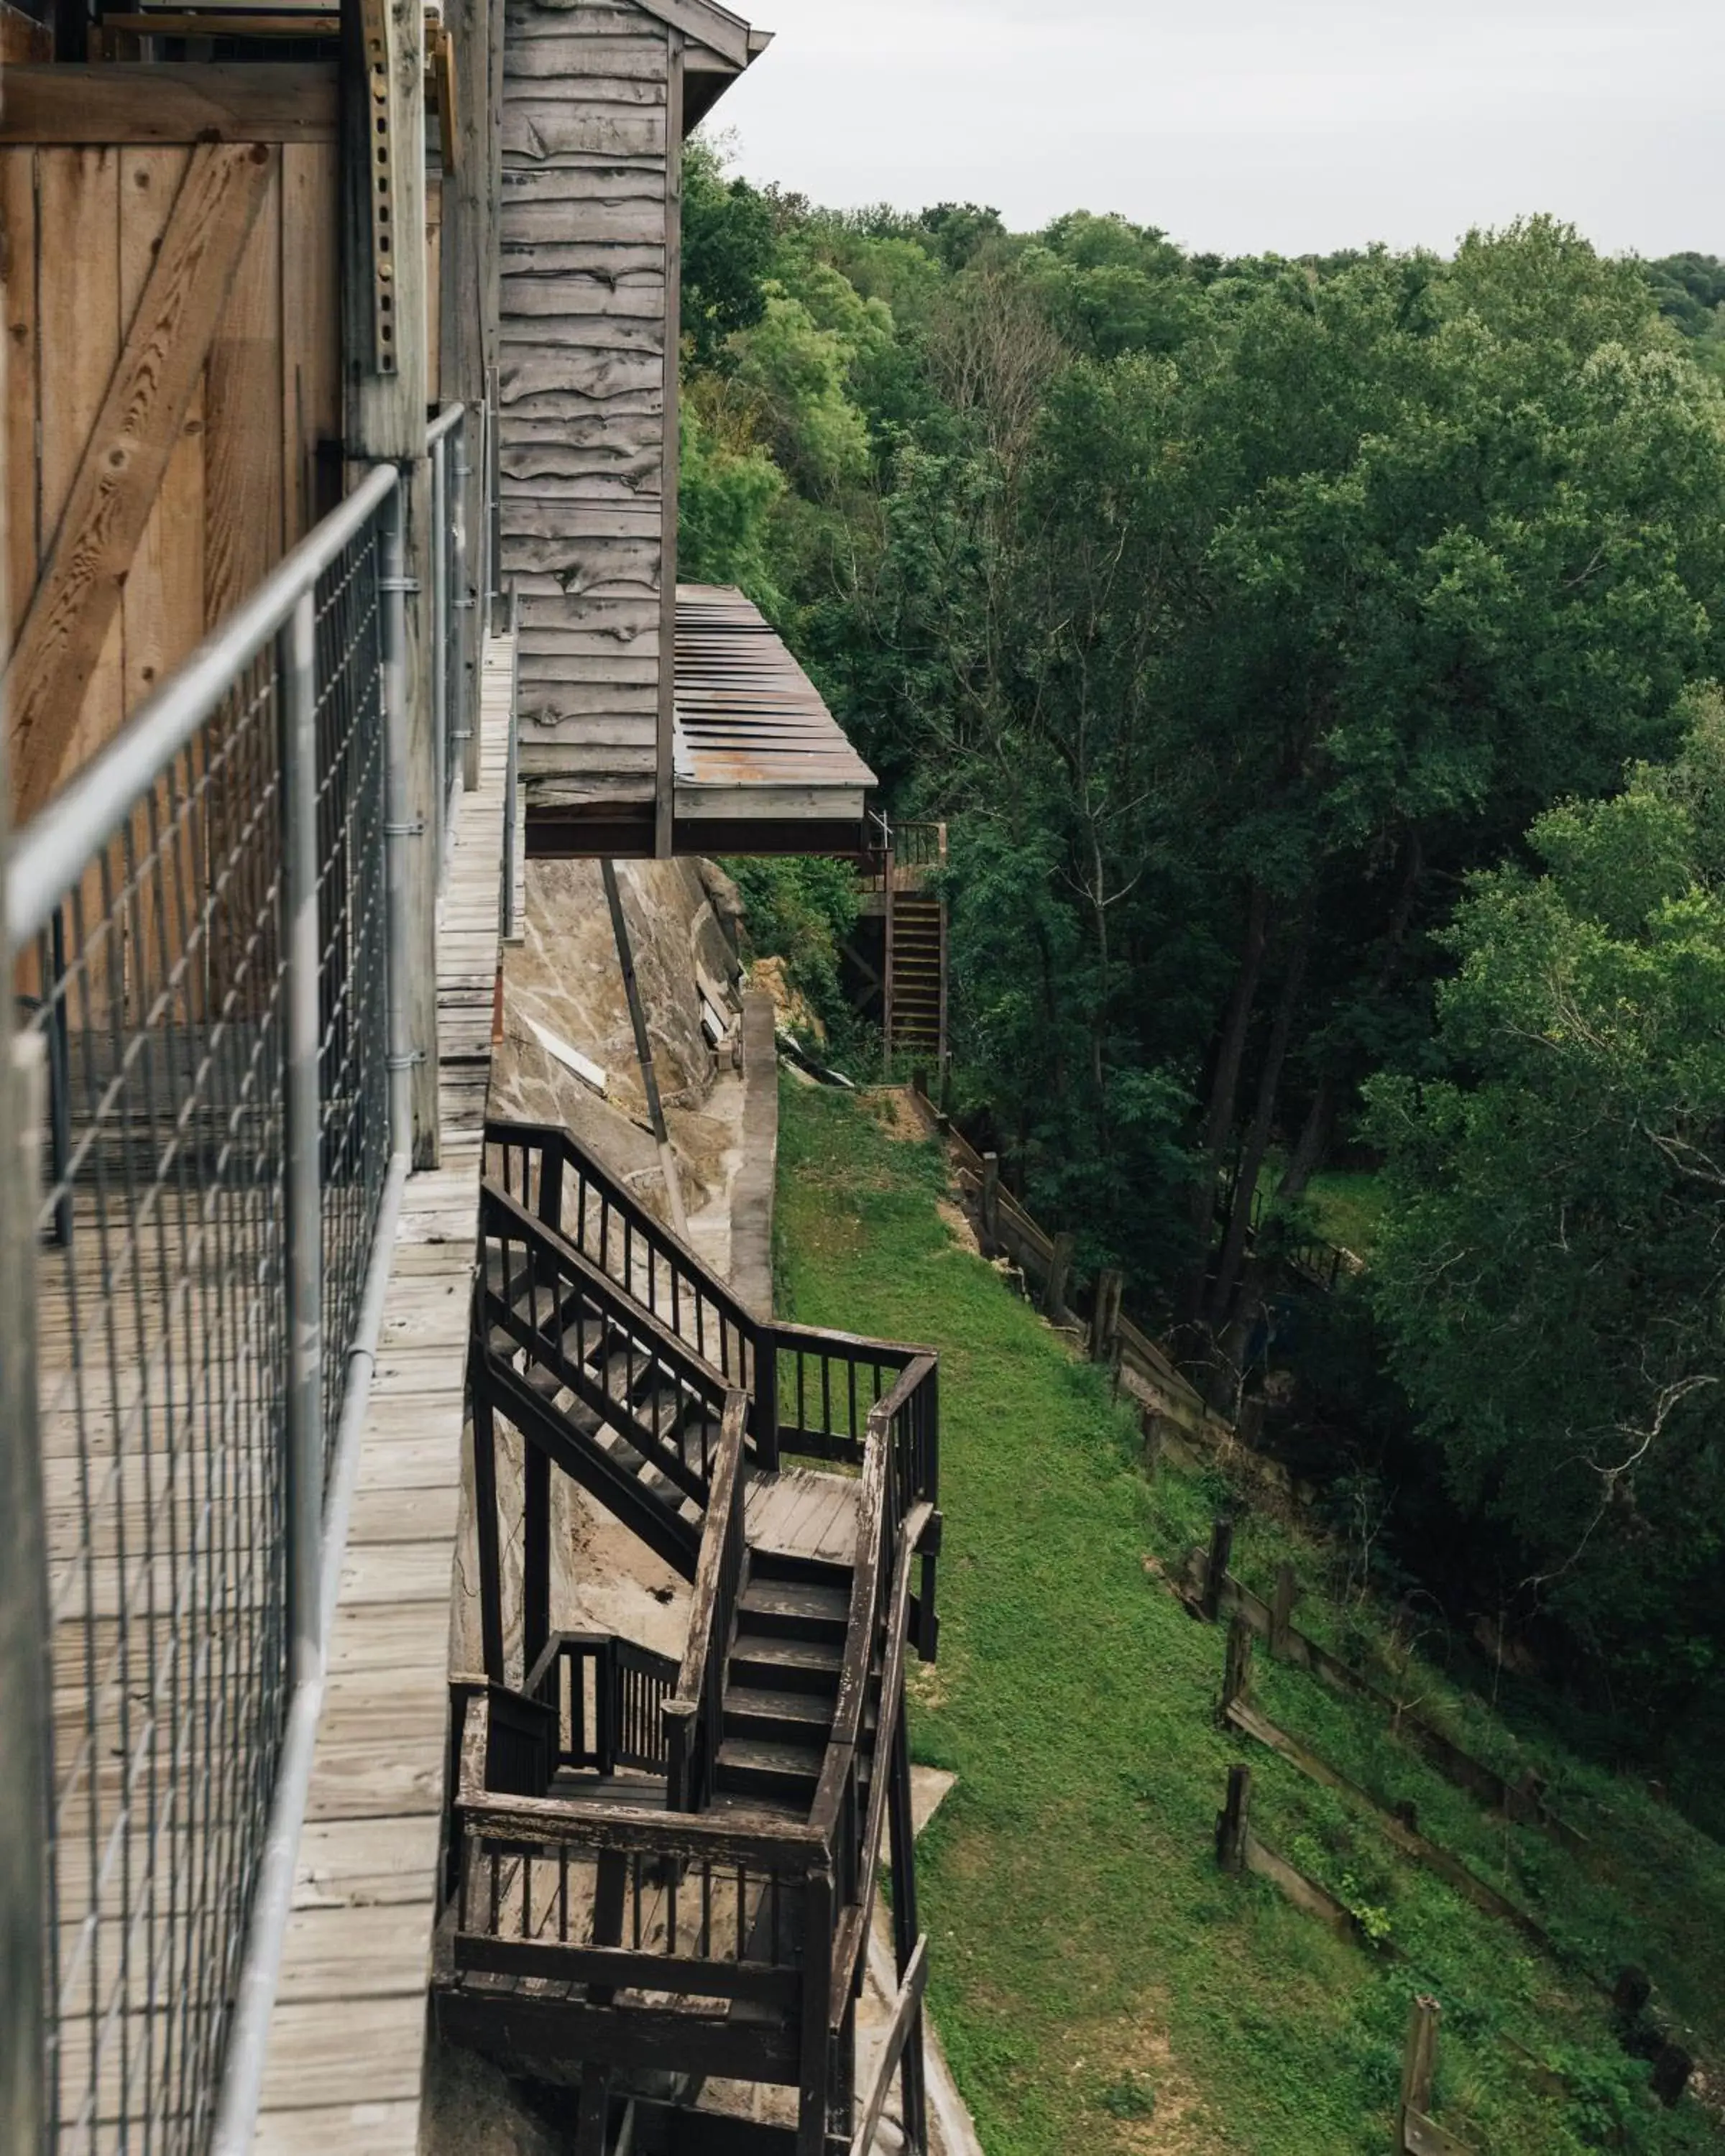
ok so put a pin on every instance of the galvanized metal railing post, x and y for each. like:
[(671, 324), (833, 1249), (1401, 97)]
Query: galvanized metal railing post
[(440, 633), (398, 828), (467, 641), (26, 1722), (302, 1113)]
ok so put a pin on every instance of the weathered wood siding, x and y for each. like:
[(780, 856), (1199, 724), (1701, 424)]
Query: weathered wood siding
[(587, 138)]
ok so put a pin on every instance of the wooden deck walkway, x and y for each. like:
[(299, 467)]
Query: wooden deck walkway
[(347, 2041)]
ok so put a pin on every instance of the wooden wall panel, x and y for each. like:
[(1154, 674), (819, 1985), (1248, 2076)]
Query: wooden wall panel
[(162, 609), (80, 331), (18, 269), (584, 356), (81, 225)]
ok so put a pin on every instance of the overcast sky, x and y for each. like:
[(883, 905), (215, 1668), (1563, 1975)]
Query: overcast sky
[(1249, 125)]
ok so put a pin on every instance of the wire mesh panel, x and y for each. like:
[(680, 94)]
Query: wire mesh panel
[(159, 985), (353, 1074)]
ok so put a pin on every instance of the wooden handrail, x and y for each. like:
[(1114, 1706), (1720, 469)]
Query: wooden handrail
[(906, 2009), (764, 1840), (552, 1137), (852, 1931), (718, 1580)]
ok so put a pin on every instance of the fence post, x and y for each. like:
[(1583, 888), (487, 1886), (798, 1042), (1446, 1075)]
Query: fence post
[(23, 1614), (1060, 1271), (1237, 1669), (1418, 2064), (1233, 1821), (1281, 1613), (767, 1400), (1105, 1326), (399, 828), (991, 1202), (1221, 1552), (302, 1148)]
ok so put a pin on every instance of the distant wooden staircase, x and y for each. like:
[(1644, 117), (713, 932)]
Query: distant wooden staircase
[(663, 1874), (900, 886)]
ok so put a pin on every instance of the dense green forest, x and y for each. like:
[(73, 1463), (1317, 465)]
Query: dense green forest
[(1314, 661)]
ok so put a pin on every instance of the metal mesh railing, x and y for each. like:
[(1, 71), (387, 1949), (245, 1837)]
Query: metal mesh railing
[(164, 977)]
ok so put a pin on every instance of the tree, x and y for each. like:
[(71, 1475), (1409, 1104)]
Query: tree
[(1551, 1274)]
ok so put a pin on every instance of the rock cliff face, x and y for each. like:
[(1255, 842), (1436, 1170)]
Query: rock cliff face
[(563, 983)]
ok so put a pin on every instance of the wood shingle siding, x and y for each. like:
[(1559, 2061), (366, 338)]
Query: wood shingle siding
[(584, 349)]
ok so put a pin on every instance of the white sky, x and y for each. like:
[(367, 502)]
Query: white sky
[(1249, 125)]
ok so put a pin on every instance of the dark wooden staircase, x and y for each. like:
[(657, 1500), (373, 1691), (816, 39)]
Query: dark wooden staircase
[(663, 1875)]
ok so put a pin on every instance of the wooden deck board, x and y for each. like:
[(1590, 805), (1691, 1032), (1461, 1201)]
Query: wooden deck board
[(348, 2039)]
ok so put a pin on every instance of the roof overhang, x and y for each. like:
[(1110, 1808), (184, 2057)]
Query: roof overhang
[(719, 46), (753, 737), (761, 766)]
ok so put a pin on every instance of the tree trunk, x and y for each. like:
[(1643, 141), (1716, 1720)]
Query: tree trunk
[(1313, 1145), (1240, 1222), (1224, 1088)]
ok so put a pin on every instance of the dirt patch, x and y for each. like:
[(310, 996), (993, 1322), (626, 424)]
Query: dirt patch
[(897, 1115), (1130, 2094), (958, 1226)]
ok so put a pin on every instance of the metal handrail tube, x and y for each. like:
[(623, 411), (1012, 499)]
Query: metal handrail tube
[(445, 423), (51, 852)]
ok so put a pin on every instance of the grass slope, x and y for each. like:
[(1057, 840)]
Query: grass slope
[(1098, 1984)]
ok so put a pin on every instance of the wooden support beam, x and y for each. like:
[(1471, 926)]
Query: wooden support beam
[(485, 1522), (138, 102), (120, 474), (386, 348), (665, 766)]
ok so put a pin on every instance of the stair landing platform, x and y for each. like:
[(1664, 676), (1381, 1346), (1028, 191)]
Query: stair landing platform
[(348, 2038)]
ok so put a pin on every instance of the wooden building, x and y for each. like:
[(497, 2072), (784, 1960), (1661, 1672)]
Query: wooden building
[(340, 479)]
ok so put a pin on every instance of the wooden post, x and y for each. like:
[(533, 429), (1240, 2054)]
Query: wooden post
[(1233, 1820), (1216, 1573), (664, 770), (1237, 1668), (467, 335), (1418, 2064), (535, 1554), (991, 1204), (814, 2074), (386, 379), (485, 1522), (1281, 1611), (1154, 1428), (1105, 1327), (1060, 1272), (901, 1822)]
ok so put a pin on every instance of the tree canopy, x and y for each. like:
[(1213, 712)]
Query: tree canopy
[(1240, 617)]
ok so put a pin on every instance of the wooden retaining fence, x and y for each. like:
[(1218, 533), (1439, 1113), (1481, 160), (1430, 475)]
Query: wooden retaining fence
[(1212, 1592)]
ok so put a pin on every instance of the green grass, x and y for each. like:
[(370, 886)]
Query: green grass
[(1098, 1984), (1349, 1203)]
